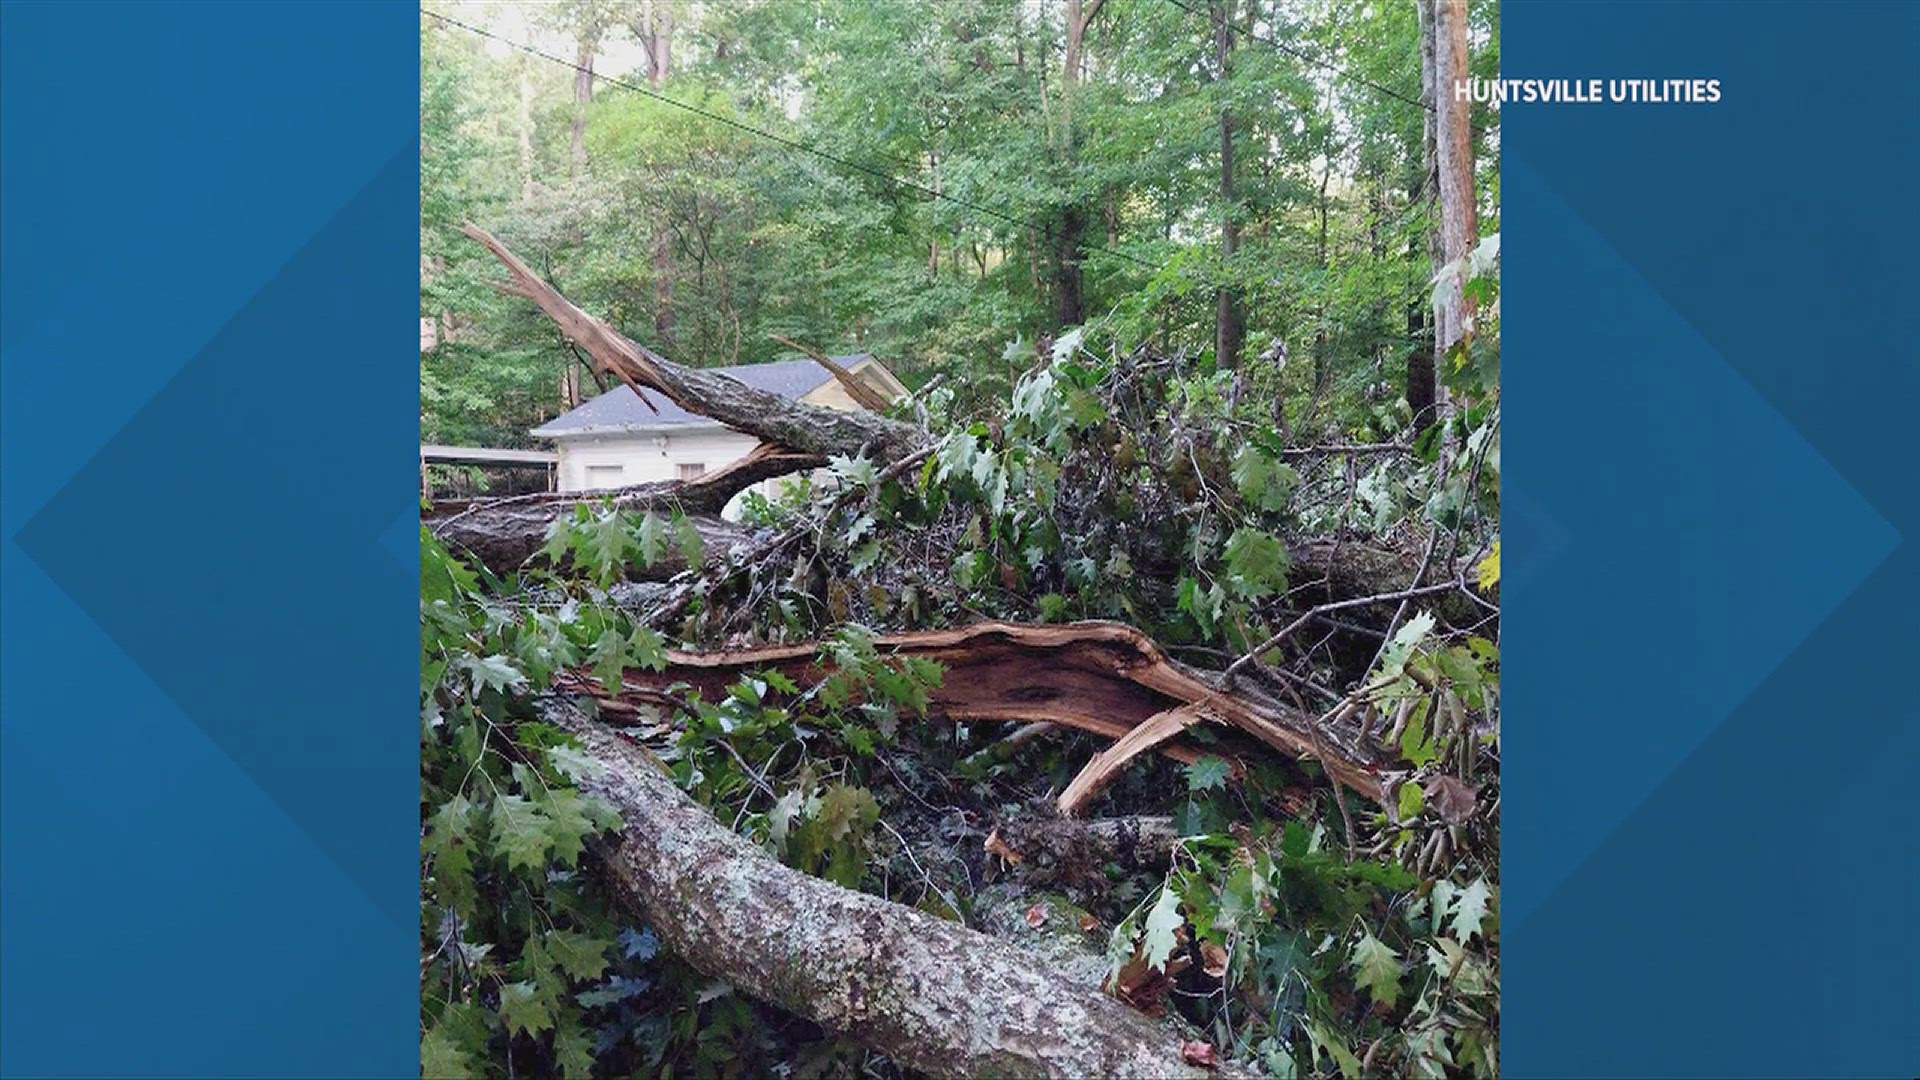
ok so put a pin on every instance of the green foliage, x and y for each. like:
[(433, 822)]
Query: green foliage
[(510, 927), (604, 543)]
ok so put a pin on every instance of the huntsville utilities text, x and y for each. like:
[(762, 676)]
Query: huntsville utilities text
[(1497, 92)]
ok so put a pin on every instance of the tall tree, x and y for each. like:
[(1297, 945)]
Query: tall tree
[(588, 22), (1230, 318), (1453, 168), (653, 26)]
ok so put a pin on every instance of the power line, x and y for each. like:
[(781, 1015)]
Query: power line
[(1306, 59), (782, 140)]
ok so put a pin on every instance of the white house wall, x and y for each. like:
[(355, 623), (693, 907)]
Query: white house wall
[(586, 462)]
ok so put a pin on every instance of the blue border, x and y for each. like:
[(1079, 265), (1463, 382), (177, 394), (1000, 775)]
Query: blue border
[(1711, 337), (208, 638)]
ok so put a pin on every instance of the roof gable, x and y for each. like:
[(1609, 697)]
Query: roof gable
[(621, 410)]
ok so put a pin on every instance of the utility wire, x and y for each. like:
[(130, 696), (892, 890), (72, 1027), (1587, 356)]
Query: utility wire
[(1306, 59), (782, 140)]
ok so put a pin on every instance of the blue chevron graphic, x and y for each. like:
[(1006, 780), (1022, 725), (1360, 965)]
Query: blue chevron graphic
[(1713, 531), (222, 486)]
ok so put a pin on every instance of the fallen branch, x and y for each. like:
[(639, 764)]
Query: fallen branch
[(1103, 677), (1108, 764), (930, 994), (1064, 848), (794, 425)]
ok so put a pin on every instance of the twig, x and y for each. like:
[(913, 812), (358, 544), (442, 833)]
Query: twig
[(1345, 448), (1403, 596)]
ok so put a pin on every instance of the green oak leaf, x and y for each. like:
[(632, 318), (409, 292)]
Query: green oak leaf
[(1470, 909), (520, 832), (574, 1051), (1334, 1047), (523, 1008), (582, 956), (1161, 923), (574, 763), (693, 548), (652, 535), (491, 672), (647, 649), (1208, 773), (441, 1058), (1376, 969)]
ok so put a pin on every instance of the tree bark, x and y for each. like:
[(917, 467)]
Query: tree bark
[(502, 534), (1423, 360), (1453, 160), (1459, 215), (503, 537), (930, 994)]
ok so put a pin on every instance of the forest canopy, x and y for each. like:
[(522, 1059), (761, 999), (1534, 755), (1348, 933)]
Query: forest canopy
[(1079, 177)]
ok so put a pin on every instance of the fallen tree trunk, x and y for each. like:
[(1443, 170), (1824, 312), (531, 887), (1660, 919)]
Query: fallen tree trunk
[(930, 994), (1050, 849), (796, 426), (496, 538), (1103, 677), (502, 534)]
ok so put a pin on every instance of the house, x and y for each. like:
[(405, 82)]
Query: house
[(615, 440)]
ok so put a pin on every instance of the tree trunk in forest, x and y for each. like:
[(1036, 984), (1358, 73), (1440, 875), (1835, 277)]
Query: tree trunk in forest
[(1459, 216), (655, 31), (1422, 361), (523, 129), (1070, 227), (1069, 300), (930, 994), (589, 44), (1230, 317), (1453, 163)]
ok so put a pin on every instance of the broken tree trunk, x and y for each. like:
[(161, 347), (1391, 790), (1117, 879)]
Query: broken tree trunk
[(504, 533), (1103, 677), (930, 994), (784, 422), (503, 536)]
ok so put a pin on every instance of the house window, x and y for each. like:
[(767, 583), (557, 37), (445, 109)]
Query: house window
[(692, 471), (604, 476)]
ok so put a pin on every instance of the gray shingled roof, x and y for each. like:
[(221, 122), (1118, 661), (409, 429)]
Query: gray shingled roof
[(620, 409)]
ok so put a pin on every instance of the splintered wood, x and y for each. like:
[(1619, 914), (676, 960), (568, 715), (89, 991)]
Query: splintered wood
[(1103, 677)]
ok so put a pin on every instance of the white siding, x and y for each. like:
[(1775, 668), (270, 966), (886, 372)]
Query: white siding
[(587, 463), (642, 457)]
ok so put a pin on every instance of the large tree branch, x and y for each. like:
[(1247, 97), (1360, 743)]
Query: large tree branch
[(1102, 677), (794, 425)]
